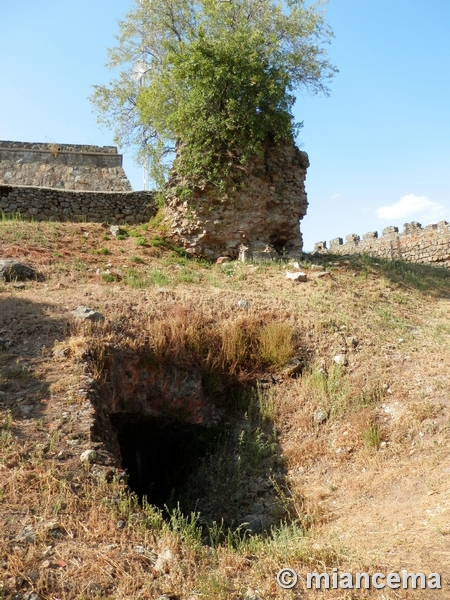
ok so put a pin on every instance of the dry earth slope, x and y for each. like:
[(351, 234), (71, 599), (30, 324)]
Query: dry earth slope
[(354, 450)]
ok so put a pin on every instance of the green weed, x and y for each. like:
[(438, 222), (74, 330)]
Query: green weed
[(372, 437), (140, 241)]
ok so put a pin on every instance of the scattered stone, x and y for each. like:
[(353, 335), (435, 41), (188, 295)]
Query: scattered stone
[(28, 535), (352, 341), (223, 259), (19, 286), (252, 595), (294, 367), (340, 359), (316, 268), (120, 524), (11, 270), (322, 274), (60, 352), (163, 560), (244, 253), (52, 527), (168, 596), (116, 230), (265, 254), (243, 304), (88, 456), (300, 276), (103, 473), (85, 313), (319, 417)]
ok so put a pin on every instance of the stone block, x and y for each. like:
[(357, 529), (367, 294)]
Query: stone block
[(352, 239), (388, 231), (335, 243)]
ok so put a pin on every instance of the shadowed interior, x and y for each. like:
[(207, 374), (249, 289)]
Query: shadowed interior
[(159, 456)]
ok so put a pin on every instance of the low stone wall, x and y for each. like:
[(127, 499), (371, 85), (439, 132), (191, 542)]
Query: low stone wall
[(62, 166), (415, 244), (259, 218), (48, 204)]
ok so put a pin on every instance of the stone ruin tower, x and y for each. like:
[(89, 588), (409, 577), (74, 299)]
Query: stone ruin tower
[(260, 220)]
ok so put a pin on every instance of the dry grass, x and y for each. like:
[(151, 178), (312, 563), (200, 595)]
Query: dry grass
[(364, 487)]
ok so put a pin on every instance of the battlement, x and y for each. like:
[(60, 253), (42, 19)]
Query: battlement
[(414, 244), (52, 146)]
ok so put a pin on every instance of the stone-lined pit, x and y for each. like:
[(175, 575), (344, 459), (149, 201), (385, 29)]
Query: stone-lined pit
[(177, 443)]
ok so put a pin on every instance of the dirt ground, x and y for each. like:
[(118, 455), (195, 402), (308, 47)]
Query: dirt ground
[(369, 483)]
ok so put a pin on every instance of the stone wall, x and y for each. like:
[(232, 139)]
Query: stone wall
[(43, 204), (415, 244), (62, 166), (262, 216)]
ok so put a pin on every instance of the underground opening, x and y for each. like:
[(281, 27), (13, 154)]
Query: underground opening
[(196, 437), (160, 456), (230, 473)]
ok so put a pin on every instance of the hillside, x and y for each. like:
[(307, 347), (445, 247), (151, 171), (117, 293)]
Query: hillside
[(338, 460)]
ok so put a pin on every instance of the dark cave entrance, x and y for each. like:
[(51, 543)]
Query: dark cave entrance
[(160, 456)]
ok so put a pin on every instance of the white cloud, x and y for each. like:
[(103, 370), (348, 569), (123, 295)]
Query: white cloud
[(413, 205), (334, 196)]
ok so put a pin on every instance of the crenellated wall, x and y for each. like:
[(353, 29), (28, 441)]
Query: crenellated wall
[(415, 244)]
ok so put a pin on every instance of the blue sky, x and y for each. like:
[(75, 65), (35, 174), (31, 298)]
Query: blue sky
[(379, 145)]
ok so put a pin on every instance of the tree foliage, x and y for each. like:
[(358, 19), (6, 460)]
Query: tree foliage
[(216, 76)]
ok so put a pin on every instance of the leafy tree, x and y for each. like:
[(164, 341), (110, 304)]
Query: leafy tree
[(216, 77)]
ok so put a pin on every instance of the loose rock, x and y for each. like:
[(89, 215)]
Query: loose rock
[(88, 456), (85, 313), (163, 560), (319, 417), (115, 230), (243, 304), (296, 276), (340, 359), (294, 367), (28, 535), (11, 270)]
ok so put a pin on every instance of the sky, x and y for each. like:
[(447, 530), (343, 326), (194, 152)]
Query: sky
[(379, 144)]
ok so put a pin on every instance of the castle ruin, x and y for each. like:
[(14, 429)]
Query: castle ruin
[(430, 245), (69, 182)]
